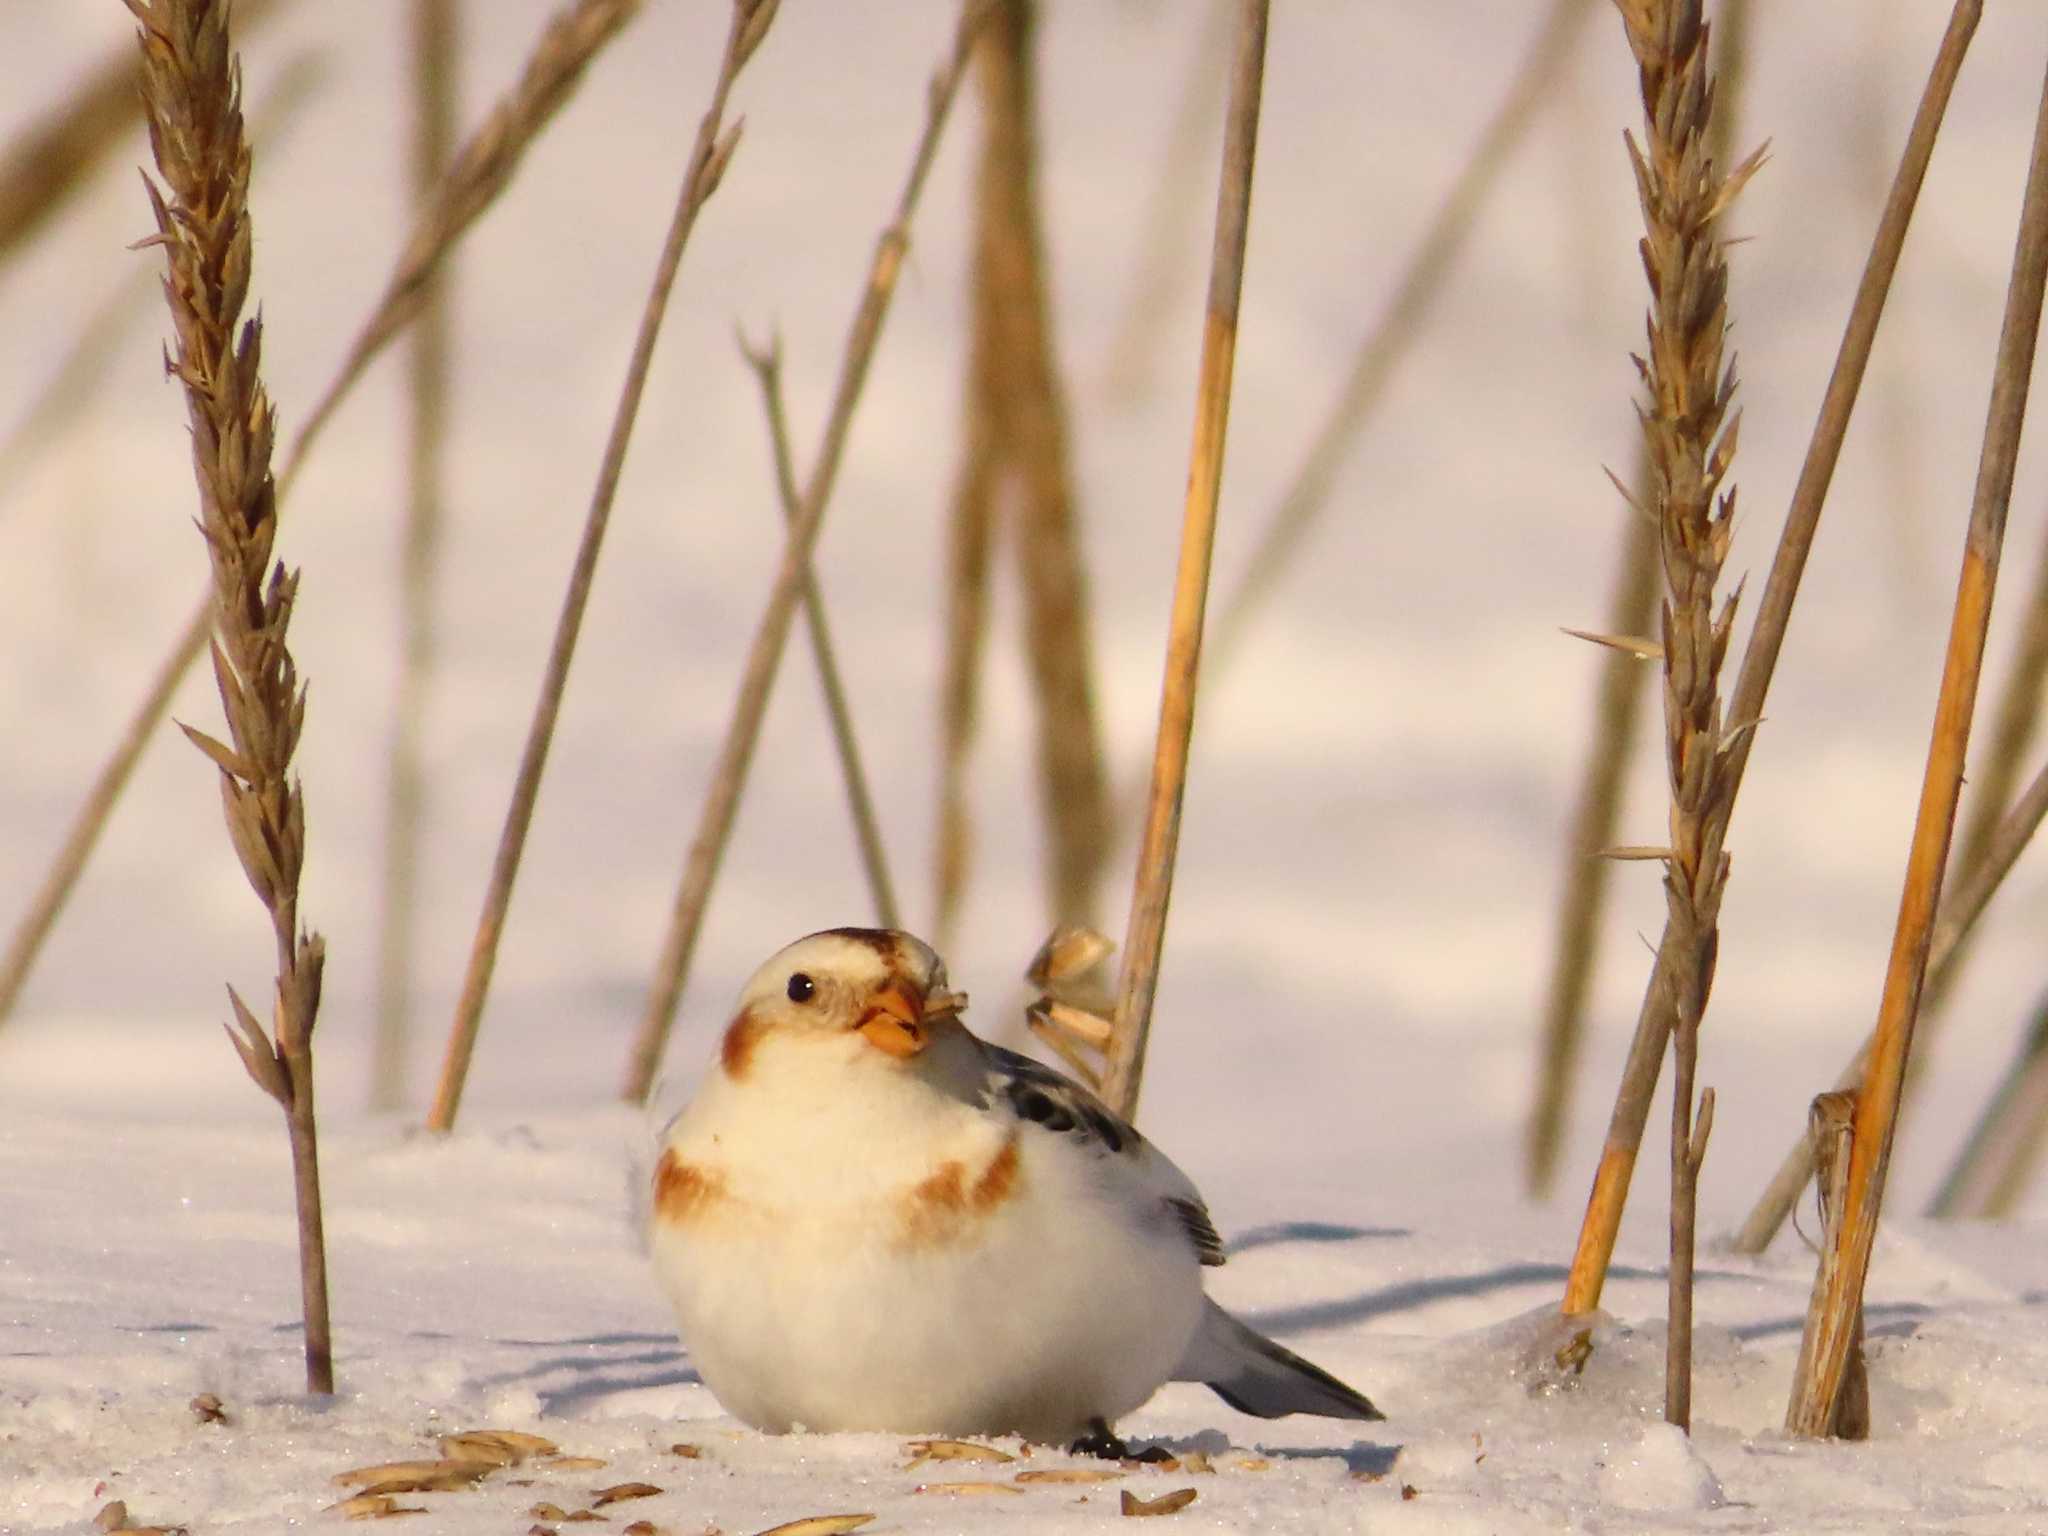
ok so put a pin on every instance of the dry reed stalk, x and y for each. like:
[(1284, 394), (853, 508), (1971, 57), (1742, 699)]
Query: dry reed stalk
[(434, 52), (53, 158), (79, 373), (1145, 935), (482, 170), (1824, 1348), (2004, 1147), (970, 537), (1400, 323), (1609, 1195), (764, 655), (1961, 906), (1171, 209), (1617, 711), (1618, 708), (709, 156), (1017, 437), (867, 831), (191, 95), (1691, 441)]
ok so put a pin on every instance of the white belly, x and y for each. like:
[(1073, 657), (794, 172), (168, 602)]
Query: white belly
[(826, 1313)]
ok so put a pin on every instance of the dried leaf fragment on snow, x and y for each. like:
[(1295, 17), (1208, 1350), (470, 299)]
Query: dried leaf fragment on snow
[(819, 1525), (618, 1493), (412, 1476), (1165, 1504), (954, 1450)]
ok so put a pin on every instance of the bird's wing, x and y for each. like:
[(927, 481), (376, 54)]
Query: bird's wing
[(1034, 1092)]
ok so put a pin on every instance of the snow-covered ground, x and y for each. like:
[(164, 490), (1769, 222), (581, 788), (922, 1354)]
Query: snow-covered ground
[(1365, 902)]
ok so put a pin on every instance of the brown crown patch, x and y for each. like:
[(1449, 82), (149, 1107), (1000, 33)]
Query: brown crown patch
[(881, 940), (736, 1050), (682, 1191), (942, 1208)]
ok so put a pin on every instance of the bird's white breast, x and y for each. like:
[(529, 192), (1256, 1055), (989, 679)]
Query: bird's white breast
[(848, 1248)]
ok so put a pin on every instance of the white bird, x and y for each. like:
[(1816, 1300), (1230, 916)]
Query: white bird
[(870, 1219)]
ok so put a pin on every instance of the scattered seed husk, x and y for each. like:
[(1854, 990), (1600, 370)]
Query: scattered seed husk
[(1248, 1464), (412, 1476), (819, 1525), (540, 1530), (1409, 1491), (1070, 952), (1153, 1461), (112, 1517), (1165, 1504), (374, 1506), (954, 1450), (1197, 1461), (646, 1528), (546, 1511), (497, 1447), (686, 1451), (208, 1410), (1068, 1475), (582, 1517), (618, 1493), (966, 1490), (572, 1463)]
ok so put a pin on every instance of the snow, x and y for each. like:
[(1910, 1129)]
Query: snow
[(1371, 842)]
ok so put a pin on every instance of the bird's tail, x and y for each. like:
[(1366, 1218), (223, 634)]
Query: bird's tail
[(1256, 1376)]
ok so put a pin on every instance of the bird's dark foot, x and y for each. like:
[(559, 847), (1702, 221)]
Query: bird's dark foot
[(1102, 1441)]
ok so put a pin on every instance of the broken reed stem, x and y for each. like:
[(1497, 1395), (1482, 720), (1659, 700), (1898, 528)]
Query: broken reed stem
[(1824, 1349), (191, 94), (1609, 1195), (1691, 441), (1145, 935), (1394, 333), (860, 804), (1998, 1159), (434, 52), (1016, 437), (1618, 710), (1171, 209), (481, 171), (53, 157), (709, 157), (764, 656), (1830, 1131), (1961, 905)]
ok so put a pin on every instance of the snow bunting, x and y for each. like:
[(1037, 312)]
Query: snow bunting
[(868, 1218)]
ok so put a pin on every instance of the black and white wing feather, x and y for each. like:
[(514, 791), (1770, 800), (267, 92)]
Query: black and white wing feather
[(1036, 1093)]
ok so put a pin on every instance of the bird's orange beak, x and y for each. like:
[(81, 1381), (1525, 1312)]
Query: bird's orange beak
[(894, 1021)]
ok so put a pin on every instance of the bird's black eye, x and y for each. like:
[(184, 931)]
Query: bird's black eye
[(801, 988)]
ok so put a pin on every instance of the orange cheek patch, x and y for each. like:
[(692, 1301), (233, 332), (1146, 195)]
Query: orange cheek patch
[(892, 1037), (942, 1209), (736, 1051), (683, 1193)]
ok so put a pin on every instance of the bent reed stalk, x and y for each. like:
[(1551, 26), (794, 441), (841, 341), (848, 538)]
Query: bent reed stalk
[(709, 156)]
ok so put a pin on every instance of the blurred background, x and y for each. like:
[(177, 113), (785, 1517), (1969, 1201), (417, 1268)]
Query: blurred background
[(1385, 768)]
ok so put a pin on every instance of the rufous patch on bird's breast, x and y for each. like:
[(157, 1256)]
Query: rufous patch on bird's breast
[(942, 1208), (683, 1192)]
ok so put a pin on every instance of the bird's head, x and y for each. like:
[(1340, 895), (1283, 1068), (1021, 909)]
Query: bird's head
[(881, 985)]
